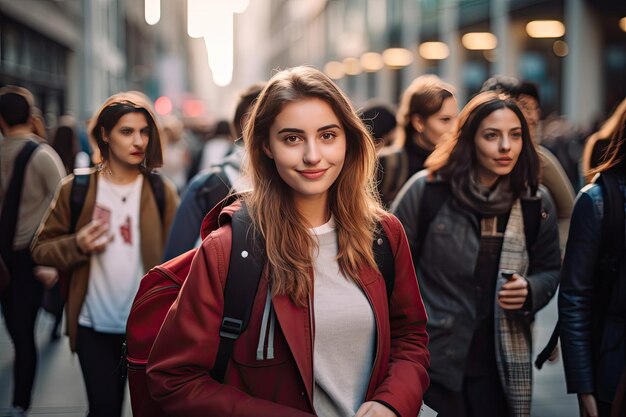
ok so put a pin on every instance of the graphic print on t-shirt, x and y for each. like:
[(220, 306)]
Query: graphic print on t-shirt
[(126, 231)]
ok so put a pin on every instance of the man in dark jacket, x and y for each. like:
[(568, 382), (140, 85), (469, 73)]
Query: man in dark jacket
[(210, 186)]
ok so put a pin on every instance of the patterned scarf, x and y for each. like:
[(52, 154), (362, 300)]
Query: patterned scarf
[(513, 339), (481, 199)]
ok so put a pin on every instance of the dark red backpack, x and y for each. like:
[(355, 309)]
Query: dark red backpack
[(157, 292), (160, 287)]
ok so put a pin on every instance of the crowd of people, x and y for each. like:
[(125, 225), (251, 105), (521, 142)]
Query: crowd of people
[(481, 222)]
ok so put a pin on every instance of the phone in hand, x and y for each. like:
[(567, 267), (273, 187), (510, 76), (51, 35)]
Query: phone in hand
[(102, 214), (507, 274)]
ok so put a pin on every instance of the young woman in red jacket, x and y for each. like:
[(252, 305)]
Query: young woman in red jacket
[(323, 338)]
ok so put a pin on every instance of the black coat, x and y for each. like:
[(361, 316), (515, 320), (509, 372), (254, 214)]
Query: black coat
[(593, 358)]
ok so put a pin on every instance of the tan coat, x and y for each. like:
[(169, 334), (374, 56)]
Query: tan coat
[(54, 245)]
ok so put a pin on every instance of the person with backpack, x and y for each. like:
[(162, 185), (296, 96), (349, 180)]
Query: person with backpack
[(485, 245), (592, 297), (30, 171), (108, 228), (325, 336), (210, 186)]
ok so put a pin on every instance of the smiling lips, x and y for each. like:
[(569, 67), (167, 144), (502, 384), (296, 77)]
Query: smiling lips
[(313, 174)]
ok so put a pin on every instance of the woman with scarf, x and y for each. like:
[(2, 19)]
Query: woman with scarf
[(480, 281)]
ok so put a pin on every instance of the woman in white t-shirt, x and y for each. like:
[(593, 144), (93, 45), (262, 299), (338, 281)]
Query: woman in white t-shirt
[(119, 234)]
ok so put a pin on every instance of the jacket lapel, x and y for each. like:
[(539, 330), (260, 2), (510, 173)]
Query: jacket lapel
[(296, 326)]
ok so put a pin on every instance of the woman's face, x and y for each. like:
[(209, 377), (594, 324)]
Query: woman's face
[(432, 129), (498, 144), (129, 139), (308, 145)]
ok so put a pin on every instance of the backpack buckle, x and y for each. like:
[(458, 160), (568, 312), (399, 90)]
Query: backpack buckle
[(231, 328)]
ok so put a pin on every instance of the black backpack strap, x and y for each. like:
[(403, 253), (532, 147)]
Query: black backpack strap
[(12, 197), (80, 185), (435, 194), (158, 190), (244, 274), (532, 212), (215, 188), (384, 259), (545, 353)]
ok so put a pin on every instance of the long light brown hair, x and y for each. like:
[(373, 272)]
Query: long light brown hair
[(353, 200), (615, 154), (609, 129), (424, 97)]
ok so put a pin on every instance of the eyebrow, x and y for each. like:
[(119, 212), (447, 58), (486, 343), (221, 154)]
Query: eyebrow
[(499, 130), (294, 130), (131, 127)]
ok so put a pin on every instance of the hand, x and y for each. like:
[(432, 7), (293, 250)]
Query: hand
[(91, 237), (513, 294), (47, 275), (587, 405), (374, 409)]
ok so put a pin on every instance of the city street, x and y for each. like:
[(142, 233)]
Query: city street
[(59, 388)]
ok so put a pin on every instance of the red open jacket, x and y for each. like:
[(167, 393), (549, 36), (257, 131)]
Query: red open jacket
[(186, 347)]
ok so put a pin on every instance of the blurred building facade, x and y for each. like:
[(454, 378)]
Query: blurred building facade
[(374, 48), (72, 54)]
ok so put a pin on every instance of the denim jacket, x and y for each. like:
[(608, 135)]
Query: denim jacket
[(586, 370)]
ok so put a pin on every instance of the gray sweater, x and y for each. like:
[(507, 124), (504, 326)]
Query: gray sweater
[(43, 174)]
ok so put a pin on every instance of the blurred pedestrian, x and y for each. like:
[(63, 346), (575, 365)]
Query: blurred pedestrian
[(595, 151), (219, 143), (27, 203), (483, 269), (592, 297), (314, 202), (552, 175), (176, 157), (120, 232), (427, 112), (210, 186), (38, 124), (65, 142), (393, 164)]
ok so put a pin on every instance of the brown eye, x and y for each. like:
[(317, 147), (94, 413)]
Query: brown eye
[(291, 139)]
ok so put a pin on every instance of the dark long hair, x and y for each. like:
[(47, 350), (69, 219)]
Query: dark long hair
[(456, 155), (65, 143)]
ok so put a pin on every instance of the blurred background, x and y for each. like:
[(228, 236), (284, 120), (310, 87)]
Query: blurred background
[(192, 56)]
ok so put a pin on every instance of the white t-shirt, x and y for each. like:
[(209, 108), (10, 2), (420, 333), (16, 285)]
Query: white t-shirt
[(115, 273), (345, 333)]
